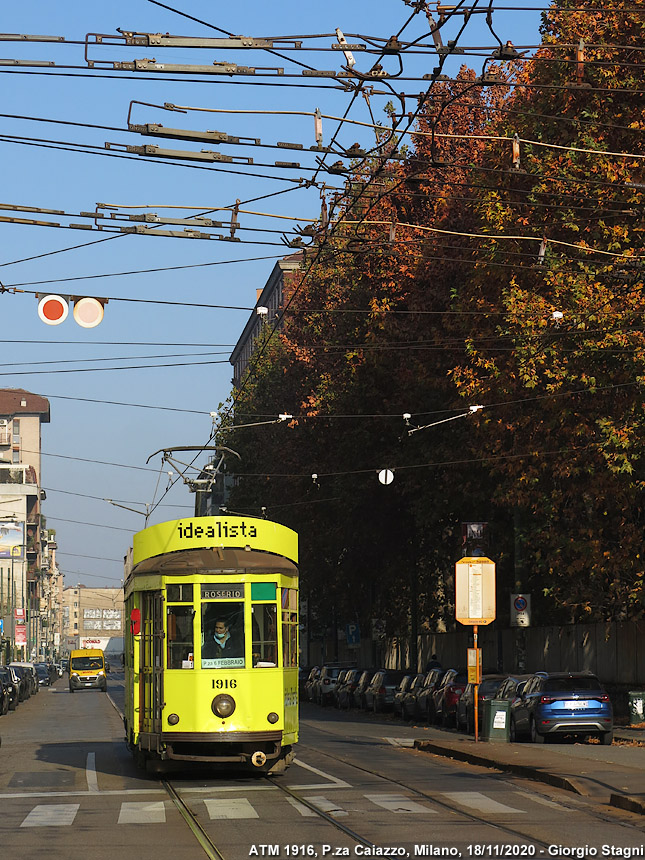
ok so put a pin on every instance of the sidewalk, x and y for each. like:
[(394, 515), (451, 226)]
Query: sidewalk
[(613, 775)]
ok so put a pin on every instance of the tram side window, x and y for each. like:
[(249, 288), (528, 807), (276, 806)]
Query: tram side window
[(180, 640), (289, 627), (265, 635), (223, 635)]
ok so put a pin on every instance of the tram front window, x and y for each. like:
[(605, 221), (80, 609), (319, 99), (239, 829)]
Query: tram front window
[(223, 635), (180, 637), (265, 635)]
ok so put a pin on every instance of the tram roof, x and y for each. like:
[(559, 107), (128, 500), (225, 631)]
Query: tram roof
[(218, 560), (216, 543)]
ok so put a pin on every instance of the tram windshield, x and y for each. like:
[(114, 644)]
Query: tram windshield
[(222, 635), (265, 635)]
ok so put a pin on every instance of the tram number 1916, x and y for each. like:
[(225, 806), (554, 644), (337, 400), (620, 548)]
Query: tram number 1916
[(224, 684)]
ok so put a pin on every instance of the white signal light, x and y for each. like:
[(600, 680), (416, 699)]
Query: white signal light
[(88, 312), (53, 309)]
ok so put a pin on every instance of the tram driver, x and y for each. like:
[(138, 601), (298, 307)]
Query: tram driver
[(222, 642)]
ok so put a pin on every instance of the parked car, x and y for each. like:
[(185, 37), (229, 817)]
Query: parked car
[(314, 674), (4, 698), (487, 689), (358, 694), (326, 684), (11, 683), (345, 688), (446, 696), (24, 690), (399, 693), (409, 698), (303, 674), (44, 678), (423, 698), (512, 686), (339, 683), (29, 671), (562, 703), (379, 694)]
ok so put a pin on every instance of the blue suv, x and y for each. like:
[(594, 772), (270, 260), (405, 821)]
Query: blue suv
[(562, 703)]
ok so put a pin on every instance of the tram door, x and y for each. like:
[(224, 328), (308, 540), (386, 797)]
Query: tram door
[(151, 673)]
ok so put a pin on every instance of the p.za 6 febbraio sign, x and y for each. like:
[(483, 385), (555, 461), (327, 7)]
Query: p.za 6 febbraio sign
[(475, 591)]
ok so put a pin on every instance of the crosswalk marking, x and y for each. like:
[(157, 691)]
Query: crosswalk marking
[(400, 742), (51, 815), (328, 806), (142, 813), (480, 802), (227, 807), (305, 811), (399, 803), (232, 807)]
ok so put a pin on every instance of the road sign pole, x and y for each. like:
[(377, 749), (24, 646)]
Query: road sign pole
[(475, 646)]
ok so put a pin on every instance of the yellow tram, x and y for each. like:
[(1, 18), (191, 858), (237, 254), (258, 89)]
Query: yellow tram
[(211, 653)]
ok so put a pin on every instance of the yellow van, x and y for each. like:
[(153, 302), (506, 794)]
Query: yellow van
[(87, 669)]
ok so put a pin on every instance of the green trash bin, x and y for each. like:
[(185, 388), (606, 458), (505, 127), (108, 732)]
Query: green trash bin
[(636, 707), (496, 720)]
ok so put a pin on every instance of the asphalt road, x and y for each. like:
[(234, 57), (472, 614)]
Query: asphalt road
[(69, 789)]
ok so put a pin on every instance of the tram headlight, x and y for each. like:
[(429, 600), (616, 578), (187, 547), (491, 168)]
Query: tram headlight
[(223, 705), (273, 717), (173, 719)]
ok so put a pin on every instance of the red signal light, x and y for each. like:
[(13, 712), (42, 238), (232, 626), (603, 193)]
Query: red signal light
[(53, 309)]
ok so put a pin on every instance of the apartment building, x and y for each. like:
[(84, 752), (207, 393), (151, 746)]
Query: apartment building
[(24, 538)]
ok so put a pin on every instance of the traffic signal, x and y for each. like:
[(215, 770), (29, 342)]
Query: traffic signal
[(52, 310), (88, 311)]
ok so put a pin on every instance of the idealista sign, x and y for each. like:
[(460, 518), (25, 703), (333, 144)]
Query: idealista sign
[(204, 532)]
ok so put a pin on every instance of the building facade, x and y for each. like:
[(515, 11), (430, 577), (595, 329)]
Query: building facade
[(270, 300), (92, 617), (25, 561)]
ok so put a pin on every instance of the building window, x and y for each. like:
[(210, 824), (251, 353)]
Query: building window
[(15, 458), (16, 431)]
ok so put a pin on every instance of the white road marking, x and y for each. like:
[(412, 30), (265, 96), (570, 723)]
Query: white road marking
[(399, 803), (51, 815), (90, 773), (301, 808), (234, 807), (142, 813), (328, 806), (400, 742), (111, 793), (480, 802), (217, 789), (334, 781)]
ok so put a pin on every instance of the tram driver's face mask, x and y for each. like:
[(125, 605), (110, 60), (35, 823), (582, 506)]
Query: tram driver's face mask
[(221, 634)]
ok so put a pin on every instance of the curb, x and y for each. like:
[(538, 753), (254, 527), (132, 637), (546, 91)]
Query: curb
[(518, 769), (631, 804)]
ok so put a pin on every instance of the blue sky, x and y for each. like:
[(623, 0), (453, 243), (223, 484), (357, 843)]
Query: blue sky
[(93, 535)]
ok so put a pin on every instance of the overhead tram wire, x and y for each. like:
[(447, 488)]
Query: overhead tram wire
[(219, 30), (300, 182), (214, 432), (258, 354), (284, 78)]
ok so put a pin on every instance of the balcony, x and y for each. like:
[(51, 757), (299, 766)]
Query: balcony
[(18, 475)]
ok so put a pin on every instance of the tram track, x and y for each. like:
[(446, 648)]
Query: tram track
[(467, 816), (209, 846)]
